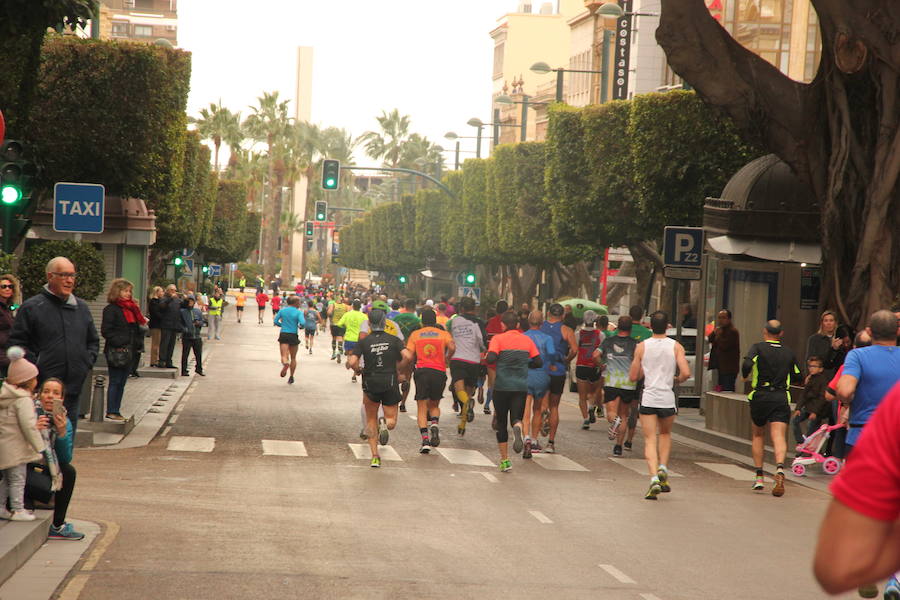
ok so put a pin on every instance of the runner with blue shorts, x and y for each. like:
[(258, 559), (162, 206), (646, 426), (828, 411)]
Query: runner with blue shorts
[(538, 383)]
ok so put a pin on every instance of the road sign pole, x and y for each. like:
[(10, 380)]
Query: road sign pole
[(605, 276)]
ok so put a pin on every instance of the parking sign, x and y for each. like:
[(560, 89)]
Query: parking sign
[(683, 247)]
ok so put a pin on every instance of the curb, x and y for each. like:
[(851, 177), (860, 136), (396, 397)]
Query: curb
[(20, 540)]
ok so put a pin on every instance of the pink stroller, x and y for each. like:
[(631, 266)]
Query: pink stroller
[(811, 449)]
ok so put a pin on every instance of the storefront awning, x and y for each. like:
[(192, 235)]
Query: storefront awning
[(767, 249)]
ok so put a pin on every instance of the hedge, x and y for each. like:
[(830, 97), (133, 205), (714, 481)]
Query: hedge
[(88, 262)]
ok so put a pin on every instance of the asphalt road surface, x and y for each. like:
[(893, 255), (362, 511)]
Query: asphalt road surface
[(210, 511)]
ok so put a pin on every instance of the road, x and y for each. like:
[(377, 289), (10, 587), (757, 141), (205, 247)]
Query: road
[(234, 522)]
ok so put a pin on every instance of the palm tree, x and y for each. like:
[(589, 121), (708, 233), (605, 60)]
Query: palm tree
[(387, 144), (216, 124)]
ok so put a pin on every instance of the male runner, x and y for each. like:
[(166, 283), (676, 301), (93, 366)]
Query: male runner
[(383, 355), (240, 300), (538, 383), (350, 323), (408, 322), (513, 353), (587, 371), (657, 361), (640, 333), (619, 393), (566, 347), (311, 316), (468, 335), (493, 327), (336, 311), (771, 368), (261, 300), (432, 348)]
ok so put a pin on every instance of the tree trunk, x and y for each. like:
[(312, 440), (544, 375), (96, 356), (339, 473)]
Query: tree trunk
[(287, 259), (839, 134)]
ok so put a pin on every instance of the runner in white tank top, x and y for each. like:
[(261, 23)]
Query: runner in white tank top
[(657, 360)]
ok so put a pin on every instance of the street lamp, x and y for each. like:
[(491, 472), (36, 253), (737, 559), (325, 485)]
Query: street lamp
[(543, 68), (614, 11), (525, 102), (478, 124)]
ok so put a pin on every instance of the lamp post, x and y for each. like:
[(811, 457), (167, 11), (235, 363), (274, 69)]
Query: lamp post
[(543, 68), (526, 104), (614, 11), (479, 125)]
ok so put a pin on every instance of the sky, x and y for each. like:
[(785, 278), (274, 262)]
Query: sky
[(430, 59)]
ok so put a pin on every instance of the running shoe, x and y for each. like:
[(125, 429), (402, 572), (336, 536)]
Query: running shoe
[(617, 450), (505, 466), (65, 532), (435, 433), (628, 446), (586, 424), (383, 433), (758, 483), (868, 591), (470, 414), (892, 589), (614, 428), (778, 490), (353, 379), (487, 411), (402, 407), (663, 475), (21, 515), (526, 453), (545, 423), (338, 359), (284, 370), (456, 407), (536, 447), (592, 414), (426, 447), (461, 430), (654, 490), (310, 350), (376, 462), (291, 379), (517, 439), (551, 447)]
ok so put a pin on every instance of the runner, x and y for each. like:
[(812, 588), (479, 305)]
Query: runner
[(493, 327), (468, 335), (240, 300), (538, 383), (311, 317), (656, 361), (620, 393), (389, 327), (408, 322), (261, 300), (587, 371), (640, 333), (383, 357), (290, 319), (432, 348), (771, 368), (350, 323), (276, 304), (336, 311), (566, 347), (512, 353)]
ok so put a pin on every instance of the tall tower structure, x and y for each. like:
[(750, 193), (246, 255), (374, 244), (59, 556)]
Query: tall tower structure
[(302, 113)]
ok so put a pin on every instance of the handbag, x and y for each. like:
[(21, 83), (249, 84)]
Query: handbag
[(119, 358), (38, 482)]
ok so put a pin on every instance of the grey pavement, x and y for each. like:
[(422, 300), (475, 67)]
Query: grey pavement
[(208, 510)]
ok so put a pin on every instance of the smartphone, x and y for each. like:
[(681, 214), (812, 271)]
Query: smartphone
[(58, 407)]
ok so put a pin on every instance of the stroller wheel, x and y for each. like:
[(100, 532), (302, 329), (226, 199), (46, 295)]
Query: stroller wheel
[(831, 465), (799, 469)]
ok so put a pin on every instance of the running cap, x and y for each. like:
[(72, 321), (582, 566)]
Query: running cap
[(556, 309), (773, 327), (381, 305), (589, 317), (376, 319), (429, 302)]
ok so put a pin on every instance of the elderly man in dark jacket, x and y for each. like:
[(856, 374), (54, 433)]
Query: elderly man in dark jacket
[(170, 324), (57, 330)]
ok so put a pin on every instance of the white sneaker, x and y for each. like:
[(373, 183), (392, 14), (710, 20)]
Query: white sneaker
[(22, 515), (5, 514)]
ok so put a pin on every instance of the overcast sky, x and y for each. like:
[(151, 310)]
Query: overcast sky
[(431, 59)]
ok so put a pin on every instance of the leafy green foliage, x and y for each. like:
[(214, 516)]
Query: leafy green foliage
[(453, 238), (196, 200), (87, 259), (475, 210), (228, 238), (429, 221)]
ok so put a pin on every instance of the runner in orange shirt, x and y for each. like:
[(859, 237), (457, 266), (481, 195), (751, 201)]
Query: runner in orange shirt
[(240, 300), (432, 348)]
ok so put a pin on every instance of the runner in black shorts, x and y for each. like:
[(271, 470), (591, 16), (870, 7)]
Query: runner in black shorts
[(431, 347)]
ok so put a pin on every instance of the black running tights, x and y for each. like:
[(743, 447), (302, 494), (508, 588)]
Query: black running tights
[(511, 405)]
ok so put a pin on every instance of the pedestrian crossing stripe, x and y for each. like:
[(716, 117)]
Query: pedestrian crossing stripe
[(557, 462), (283, 448), (179, 443), (461, 456), (362, 452), (639, 465), (727, 470)]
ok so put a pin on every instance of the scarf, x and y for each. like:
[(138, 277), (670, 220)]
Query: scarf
[(49, 453), (131, 311)]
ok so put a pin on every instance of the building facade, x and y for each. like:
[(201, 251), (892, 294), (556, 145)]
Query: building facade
[(140, 20)]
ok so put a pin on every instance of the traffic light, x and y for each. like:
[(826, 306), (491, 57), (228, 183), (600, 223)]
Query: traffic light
[(205, 269), (309, 229), (470, 278), (331, 174), (178, 261), (17, 175), (403, 279), (321, 210)]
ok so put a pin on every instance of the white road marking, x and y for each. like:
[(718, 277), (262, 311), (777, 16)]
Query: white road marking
[(166, 431), (180, 443), (539, 516), (733, 471), (617, 574), (650, 597), (173, 419), (557, 462), (460, 456), (639, 465), (489, 476), (362, 452), (283, 448), (413, 417)]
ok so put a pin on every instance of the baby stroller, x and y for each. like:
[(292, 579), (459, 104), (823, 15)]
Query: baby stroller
[(811, 452)]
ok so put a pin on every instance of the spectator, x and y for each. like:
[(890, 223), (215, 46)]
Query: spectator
[(725, 352), (10, 299), (59, 434), (57, 331), (155, 310), (216, 306), (825, 343), (839, 437), (121, 328), (813, 406), (170, 324), (191, 322), (688, 319)]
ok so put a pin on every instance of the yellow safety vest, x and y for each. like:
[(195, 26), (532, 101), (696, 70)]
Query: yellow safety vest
[(215, 307)]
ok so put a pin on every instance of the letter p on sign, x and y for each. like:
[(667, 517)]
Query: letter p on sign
[(683, 246)]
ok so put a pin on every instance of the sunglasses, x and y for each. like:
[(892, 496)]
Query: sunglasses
[(7, 286)]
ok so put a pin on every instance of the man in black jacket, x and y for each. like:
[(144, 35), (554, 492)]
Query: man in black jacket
[(57, 331), (170, 324)]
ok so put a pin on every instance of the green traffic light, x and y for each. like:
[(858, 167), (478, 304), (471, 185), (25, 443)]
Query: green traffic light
[(178, 261), (330, 183), (402, 278), (470, 278), (205, 269), (10, 194)]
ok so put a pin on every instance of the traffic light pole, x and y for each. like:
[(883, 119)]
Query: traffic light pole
[(443, 187)]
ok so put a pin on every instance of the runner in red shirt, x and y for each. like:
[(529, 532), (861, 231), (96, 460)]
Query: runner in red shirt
[(262, 299), (493, 327), (276, 304)]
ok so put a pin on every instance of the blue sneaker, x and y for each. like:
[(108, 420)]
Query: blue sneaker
[(65, 532), (892, 589)]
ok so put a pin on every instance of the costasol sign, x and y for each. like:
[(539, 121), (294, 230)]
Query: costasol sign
[(78, 207)]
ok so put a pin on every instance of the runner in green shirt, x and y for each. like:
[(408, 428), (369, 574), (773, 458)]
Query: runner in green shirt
[(350, 323)]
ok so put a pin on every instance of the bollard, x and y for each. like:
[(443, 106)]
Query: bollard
[(98, 399)]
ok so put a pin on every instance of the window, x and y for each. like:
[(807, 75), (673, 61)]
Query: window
[(144, 4), (499, 50), (143, 30), (764, 27), (120, 29)]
